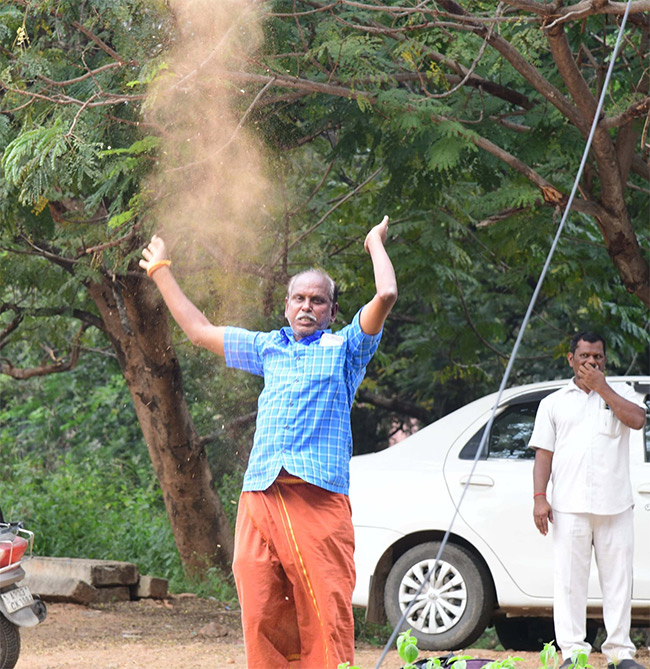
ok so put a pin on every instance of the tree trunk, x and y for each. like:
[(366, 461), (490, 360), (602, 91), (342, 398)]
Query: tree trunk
[(137, 324), (614, 219)]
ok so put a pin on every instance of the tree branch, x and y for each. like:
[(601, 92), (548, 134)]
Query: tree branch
[(231, 427), (86, 317), (82, 29), (586, 8), (474, 329), (89, 73), (394, 404), (500, 216), (286, 81), (47, 252), (110, 99), (351, 194), (637, 110), (107, 245), (530, 73), (59, 365), (566, 65), (550, 194), (13, 324)]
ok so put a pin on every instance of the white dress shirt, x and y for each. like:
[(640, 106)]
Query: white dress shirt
[(591, 463)]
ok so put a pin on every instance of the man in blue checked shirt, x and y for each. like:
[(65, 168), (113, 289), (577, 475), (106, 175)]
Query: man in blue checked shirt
[(294, 540)]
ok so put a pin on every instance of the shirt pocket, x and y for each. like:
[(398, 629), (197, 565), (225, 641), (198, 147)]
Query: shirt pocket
[(608, 424), (324, 363)]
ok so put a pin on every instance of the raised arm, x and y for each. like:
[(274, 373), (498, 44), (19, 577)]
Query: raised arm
[(192, 321), (375, 312)]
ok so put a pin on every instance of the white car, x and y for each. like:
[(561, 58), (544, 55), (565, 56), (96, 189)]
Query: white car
[(496, 567)]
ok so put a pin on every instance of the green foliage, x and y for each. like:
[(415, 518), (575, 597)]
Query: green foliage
[(85, 412), (77, 143), (549, 656), (76, 471), (103, 509), (468, 236), (144, 145), (408, 652), (372, 633), (407, 649), (79, 509)]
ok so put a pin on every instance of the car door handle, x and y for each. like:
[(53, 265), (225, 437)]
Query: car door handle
[(644, 489), (480, 480)]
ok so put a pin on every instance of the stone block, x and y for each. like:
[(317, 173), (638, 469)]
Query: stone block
[(151, 587), (117, 593), (98, 573), (60, 588)]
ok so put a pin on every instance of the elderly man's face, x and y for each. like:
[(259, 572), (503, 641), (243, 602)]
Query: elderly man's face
[(308, 308)]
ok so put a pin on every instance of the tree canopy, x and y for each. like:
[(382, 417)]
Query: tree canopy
[(434, 82), (263, 138)]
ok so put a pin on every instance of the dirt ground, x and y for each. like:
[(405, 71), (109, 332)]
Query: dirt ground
[(183, 632)]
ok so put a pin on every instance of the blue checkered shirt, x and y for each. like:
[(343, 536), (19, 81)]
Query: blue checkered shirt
[(303, 420)]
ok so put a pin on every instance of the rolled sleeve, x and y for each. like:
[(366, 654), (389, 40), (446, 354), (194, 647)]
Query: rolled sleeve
[(544, 430), (361, 346), (242, 349)]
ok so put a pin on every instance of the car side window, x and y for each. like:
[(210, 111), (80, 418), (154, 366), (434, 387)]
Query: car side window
[(509, 436)]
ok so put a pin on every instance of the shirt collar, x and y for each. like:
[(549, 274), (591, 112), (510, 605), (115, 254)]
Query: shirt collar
[(287, 334), (574, 386)]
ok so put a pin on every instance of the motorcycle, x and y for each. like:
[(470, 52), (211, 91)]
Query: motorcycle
[(18, 606)]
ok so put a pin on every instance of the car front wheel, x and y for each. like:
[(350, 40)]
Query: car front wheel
[(453, 608)]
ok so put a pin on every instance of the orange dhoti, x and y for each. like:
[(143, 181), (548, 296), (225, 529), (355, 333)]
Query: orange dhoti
[(294, 570)]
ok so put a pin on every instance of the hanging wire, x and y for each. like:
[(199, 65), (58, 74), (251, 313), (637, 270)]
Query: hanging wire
[(524, 324)]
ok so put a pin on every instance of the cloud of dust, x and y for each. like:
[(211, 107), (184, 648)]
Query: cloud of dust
[(212, 196)]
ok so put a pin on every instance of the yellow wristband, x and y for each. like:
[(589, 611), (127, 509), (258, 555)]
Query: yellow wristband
[(157, 265)]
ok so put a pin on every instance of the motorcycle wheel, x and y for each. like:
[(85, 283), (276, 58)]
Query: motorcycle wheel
[(9, 644)]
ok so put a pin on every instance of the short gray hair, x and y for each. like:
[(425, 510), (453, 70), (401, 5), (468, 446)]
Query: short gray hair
[(333, 288)]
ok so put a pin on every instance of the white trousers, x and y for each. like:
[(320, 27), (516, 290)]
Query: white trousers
[(612, 539)]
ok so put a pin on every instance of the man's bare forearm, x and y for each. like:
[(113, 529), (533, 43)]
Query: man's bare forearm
[(385, 280), (375, 312), (541, 470), (542, 511), (190, 319), (627, 412)]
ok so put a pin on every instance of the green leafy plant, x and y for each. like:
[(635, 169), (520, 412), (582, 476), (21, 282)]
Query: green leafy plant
[(508, 663), (581, 661), (407, 649), (408, 652), (549, 656)]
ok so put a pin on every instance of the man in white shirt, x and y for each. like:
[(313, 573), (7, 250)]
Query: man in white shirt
[(581, 437)]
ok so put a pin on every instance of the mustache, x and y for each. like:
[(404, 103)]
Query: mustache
[(305, 314)]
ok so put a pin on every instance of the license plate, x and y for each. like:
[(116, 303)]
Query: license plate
[(17, 599)]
